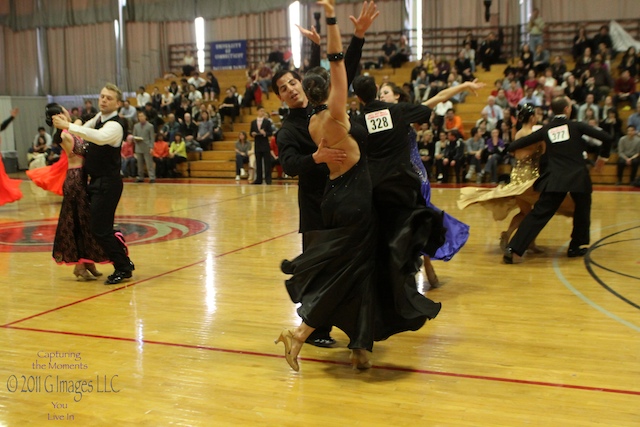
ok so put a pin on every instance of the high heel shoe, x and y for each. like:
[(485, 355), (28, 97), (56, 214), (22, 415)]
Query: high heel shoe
[(81, 273), (92, 269), (360, 359), (287, 339)]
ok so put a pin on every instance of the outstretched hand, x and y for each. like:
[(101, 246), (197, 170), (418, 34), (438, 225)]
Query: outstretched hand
[(15, 112), (326, 154), (474, 86), (311, 34), (368, 14)]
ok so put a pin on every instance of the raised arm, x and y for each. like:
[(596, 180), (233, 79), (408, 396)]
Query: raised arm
[(339, 87), (446, 94)]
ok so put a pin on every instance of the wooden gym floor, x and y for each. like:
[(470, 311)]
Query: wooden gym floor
[(189, 341)]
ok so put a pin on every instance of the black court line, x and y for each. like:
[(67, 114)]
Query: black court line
[(589, 263)]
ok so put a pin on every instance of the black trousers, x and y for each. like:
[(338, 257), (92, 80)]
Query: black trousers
[(104, 194), (543, 211), (263, 164)]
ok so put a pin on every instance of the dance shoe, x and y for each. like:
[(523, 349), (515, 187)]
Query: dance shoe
[(510, 257), (118, 277), (287, 339), (325, 342), (360, 359), (81, 273), (93, 270), (576, 252)]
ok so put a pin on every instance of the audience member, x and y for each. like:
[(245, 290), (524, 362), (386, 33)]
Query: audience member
[(42, 132), (628, 154), (144, 137), (205, 131), (580, 42), (160, 154), (189, 131), (177, 154), (488, 51), (492, 155), (541, 58), (453, 121), (535, 27), (261, 130), (588, 104), (142, 97), (128, 159), (388, 50), (630, 62), (229, 107), (188, 63), (625, 89), (634, 119), (129, 113), (88, 112), (242, 148)]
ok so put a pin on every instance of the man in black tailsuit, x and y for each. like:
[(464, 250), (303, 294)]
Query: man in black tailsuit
[(104, 134), (565, 172), (261, 131)]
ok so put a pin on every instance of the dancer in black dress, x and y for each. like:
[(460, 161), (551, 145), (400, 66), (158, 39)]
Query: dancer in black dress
[(73, 243)]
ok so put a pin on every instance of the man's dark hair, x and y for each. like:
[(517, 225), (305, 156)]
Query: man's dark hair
[(558, 104), (365, 88), (278, 76)]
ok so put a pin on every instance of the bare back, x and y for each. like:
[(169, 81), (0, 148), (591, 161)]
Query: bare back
[(336, 134)]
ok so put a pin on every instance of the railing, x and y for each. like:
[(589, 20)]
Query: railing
[(442, 42)]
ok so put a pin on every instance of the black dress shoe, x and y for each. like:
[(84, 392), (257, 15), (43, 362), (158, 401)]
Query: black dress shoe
[(325, 342), (576, 252), (508, 256), (117, 277)]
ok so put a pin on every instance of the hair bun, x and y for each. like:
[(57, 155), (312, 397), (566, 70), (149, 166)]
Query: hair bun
[(51, 110)]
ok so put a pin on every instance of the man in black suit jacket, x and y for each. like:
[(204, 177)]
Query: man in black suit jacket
[(261, 130), (565, 172)]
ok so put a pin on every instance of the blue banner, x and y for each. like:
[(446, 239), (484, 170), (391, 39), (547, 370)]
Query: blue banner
[(229, 55)]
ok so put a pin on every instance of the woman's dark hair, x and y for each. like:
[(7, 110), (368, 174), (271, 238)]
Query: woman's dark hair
[(51, 110), (403, 96), (316, 85), (525, 113)]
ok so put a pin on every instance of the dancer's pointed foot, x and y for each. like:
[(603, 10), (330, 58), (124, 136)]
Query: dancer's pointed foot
[(290, 354), (360, 359), (81, 273), (432, 277)]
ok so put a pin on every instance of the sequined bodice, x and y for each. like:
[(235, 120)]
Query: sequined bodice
[(526, 169)]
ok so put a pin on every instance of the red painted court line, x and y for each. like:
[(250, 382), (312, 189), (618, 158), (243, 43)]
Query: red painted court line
[(332, 362), (128, 285)]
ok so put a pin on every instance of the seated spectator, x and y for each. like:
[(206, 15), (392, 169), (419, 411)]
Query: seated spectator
[(531, 80), (583, 63), (152, 116), (252, 94), (75, 114), (229, 107), (42, 132), (526, 56), (156, 98), (177, 155), (625, 89), (549, 83), (453, 121), (558, 68), (242, 148), (613, 126), (196, 108), (514, 94), (205, 131), (501, 99), (530, 98), (588, 104), (497, 85), (170, 128), (426, 147), (439, 155), (88, 112), (602, 77), (388, 50), (189, 130), (421, 86), (628, 154), (630, 62), (263, 77), (216, 123), (444, 69), (488, 52), (492, 155), (402, 54), (580, 42), (507, 132), (194, 93), (574, 91), (276, 58), (541, 59), (166, 102), (474, 146), (128, 163), (455, 156), (129, 113), (198, 81), (439, 113), (354, 111), (494, 112), (589, 114), (53, 153), (634, 119), (142, 97), (602, 37), (469, 53), (606, 106), (211, 89), (160, 154)]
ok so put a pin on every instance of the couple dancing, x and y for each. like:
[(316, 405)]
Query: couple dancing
[(354, 273)]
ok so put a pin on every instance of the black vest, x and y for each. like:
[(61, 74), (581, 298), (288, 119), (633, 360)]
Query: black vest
[(104, 160)]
